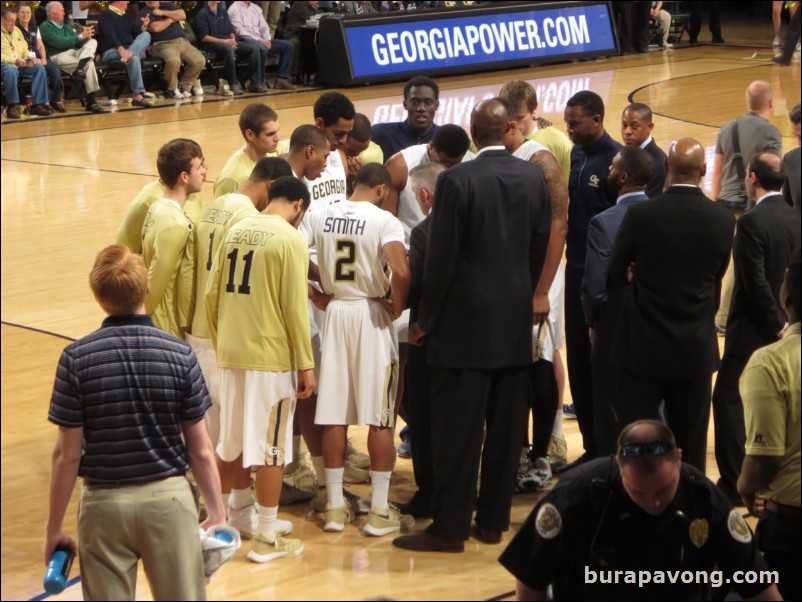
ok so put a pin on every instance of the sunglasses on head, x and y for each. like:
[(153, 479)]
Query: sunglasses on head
[(656, 448)]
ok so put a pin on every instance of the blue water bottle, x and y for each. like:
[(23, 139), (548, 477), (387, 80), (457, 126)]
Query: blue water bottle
[(58, 569)]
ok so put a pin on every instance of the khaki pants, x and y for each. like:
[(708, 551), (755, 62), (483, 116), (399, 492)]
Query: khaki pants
[(68, 62), (157, 522), (172, 52)]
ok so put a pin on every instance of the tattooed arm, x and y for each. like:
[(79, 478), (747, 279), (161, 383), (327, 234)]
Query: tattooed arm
[(558, 195)]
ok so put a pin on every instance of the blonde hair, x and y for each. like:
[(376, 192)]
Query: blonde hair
[(521, 94), (119, 280)]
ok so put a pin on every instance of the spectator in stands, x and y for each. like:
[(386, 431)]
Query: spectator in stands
[(216, 33), (92, 9), (636, 131), (421, 101), (169, 42), (792, 162), (253, 32), (16, 64), (30, 30), (122, 36), (73, 52), (359, 149), (662, 16), (298, 15), (358, 8), (272, 14)]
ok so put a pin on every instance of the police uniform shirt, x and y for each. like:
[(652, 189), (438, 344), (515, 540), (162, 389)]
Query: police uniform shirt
[(330, 186), (238, 168), (256, 297), (350, 238), (214, 223), (130, 231), (588, 523), (168, 249)]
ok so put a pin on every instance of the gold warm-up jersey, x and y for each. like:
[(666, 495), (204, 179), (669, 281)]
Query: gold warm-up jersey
[(130, 231), (256, 297), (238, 168), (168, 248), (213, 225), (349, 237)]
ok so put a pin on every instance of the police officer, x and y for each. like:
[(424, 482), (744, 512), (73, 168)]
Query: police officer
[(634, 527)]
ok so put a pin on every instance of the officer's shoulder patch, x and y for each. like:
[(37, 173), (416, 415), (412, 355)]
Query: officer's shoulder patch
[(738, 528), (548, 522)]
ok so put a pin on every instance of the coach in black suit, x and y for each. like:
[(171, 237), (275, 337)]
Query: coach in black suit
[(637, 125), (489, 232), (765, 238), (677, 247)]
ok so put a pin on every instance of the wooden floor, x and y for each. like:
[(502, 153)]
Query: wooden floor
[(65, 185)]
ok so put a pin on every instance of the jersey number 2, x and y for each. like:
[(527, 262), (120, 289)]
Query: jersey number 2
[(340, 268), (246, 274)]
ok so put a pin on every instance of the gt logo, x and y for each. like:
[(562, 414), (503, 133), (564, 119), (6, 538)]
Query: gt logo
[(594, 181)]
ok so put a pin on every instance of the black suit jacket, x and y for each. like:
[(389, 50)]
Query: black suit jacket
[(765, 238), (680, 242), (657, 182), (792, 163), (489, 231), (418, 241)]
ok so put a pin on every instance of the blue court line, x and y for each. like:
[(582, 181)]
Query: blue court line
[(45, 595)]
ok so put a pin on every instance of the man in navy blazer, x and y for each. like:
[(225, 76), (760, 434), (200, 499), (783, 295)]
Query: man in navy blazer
[(489, 232), (676, 248), (630, 174), (766, 237)]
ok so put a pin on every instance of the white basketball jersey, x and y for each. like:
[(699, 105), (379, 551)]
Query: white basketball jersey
[(350, 238), (409, 213), (529, 148), (330, 186)]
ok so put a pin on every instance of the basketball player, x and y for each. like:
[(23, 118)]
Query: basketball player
[(167, 238), (534, 471), (256, 305), (448, 147), (130, 231), (259, 126), (334, 115), (224, 212), (355, 241)]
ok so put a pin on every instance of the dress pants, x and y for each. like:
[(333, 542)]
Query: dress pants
[(780, 540), (173, 52), (577, 344), (463, 401), (697, 9), (417, 398), (68, 62), (687, 409), (728, 421)]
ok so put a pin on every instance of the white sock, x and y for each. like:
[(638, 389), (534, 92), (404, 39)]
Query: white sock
[(320, 468), (267, 519), (240, 498), (334, 487), (557, 429), (380, 489)]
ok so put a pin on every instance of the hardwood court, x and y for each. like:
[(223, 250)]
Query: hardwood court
[(65, 186)]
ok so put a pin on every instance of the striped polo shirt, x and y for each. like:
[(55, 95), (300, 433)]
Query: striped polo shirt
[(129, 385)]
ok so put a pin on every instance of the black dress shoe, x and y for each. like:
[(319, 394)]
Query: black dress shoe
[(417, 507), (93, 107), (487, 536), (719, 40), (40, 110), (586, 457), (59, 106), (779, 60), (426, 542)]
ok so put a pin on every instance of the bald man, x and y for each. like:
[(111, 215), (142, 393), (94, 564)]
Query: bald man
[(483, 263), (674, 250), (754, 135)]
